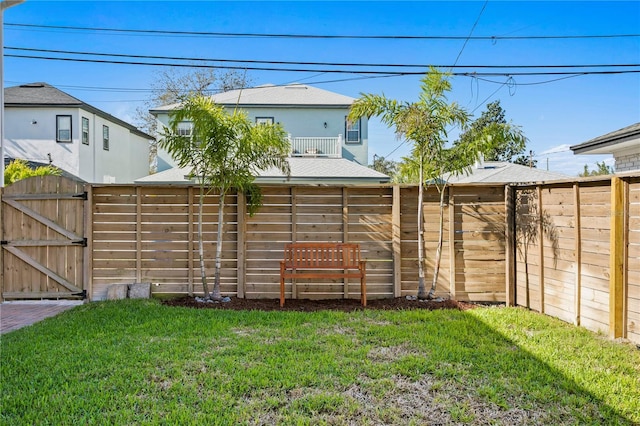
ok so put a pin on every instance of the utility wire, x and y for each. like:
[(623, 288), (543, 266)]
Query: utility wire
[(315, 36), (336, 64), (337, 71)]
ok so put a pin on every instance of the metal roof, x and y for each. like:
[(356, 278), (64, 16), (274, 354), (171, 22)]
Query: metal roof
[(298, 95), (503, 172), (309, 170)]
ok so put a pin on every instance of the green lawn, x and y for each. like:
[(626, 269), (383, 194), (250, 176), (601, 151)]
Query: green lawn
[(139, 362)]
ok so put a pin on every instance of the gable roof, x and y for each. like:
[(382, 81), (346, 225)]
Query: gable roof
[(504, 172), (627, 137), (303, 170), (290, 95), (34, 95)]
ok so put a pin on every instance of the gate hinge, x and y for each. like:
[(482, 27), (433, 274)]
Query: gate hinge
[(83, 293), (82, 242), (82, 195), (4, 242)]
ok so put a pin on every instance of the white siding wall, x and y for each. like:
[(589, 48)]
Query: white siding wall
[(300, 122)]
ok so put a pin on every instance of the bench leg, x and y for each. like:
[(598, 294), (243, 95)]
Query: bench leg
[(363, 283), (281, 285)]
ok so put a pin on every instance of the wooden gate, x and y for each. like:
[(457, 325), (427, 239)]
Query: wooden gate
[(42, 237)]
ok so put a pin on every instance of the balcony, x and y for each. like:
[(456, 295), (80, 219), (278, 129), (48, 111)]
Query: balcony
[(316, 146)]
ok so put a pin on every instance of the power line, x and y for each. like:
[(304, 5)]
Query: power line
[(336, 64), (337, 71), (316, 36)]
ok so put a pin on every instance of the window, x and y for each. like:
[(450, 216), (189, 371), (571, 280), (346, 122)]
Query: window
[(85, 130), (105, 138), (63, 128), (353, 132), (184, 128), (264, 120)]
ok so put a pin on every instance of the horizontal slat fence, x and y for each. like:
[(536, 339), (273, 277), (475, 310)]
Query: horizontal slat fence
[(149, 234), (571, 263), (575, 245)]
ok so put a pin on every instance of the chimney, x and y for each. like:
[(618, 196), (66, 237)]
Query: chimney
[(480, 161)]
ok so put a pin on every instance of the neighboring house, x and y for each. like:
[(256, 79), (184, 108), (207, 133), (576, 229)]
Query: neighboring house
[(504, 172), (624, 144), (46, 125), (324, 146)]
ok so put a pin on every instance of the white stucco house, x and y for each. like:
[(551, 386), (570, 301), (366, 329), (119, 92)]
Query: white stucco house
[(623, 144), (324, 146), (48, 126)]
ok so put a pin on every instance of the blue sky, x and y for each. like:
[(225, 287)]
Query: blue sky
[(552, 114)]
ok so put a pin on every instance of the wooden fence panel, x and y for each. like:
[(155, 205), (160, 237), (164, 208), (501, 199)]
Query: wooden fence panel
[(573, 260), (42, 234), (632, 305), (267, 231), (479, 242), (595, 214)]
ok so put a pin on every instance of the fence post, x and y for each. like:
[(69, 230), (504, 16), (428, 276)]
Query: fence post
[(452, 243), (241, 242), (541, 247), (1, 238), (138, 234), (510, 245), (396, 238), (616, 259), (88, 249), (345, 232), (578, 253)]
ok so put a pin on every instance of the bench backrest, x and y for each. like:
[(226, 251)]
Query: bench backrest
[(322, 255)]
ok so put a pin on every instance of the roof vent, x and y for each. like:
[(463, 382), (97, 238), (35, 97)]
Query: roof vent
[(296, 86), (35, 85)]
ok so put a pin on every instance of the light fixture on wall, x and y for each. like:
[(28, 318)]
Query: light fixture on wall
[(325, 124)]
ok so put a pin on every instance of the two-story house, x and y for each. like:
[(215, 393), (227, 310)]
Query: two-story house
[(324, 145), (48, 126)]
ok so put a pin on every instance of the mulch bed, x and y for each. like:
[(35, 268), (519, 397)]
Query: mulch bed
[(305, 305)]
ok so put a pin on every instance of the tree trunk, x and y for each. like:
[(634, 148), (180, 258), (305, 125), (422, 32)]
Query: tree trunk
[(216, 282), (203, 273), (436, 268), (422, 293)]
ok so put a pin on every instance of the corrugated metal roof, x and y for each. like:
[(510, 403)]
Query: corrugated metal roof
[(299, 95)]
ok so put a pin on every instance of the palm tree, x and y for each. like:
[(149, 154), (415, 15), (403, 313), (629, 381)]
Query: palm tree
[(424, 123), (224, 151)]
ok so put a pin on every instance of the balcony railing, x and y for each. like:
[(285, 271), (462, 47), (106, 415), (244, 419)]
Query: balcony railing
[(316, 146)]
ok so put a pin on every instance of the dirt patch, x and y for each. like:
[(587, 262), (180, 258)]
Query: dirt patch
[(305, 305)]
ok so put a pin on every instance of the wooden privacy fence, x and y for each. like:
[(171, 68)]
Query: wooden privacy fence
[(149, 234), (578, 252), (570, 249)]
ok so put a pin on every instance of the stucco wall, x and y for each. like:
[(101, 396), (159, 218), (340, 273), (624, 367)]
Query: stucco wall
[(30, 134)]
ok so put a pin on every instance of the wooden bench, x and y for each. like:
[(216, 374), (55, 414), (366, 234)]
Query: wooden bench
[(323, 260)]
